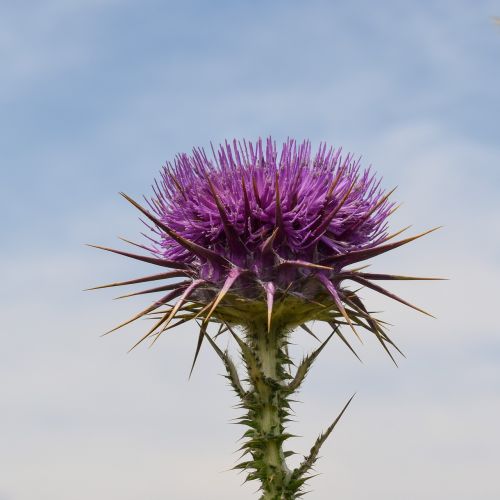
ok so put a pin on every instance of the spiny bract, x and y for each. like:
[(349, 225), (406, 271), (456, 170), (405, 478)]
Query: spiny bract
[(256, 231)]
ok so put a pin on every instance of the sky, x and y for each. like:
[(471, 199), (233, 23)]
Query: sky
[(97, 95)]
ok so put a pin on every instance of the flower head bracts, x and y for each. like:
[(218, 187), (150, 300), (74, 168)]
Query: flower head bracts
[(254, 225)]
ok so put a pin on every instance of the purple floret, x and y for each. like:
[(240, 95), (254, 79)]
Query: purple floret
[(312, 206)]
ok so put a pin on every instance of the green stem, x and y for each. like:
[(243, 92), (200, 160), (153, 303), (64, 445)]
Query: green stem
[(268, 409), (267, 406)]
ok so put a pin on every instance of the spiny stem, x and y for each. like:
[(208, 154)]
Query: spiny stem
[(269, 410), (267, 404)]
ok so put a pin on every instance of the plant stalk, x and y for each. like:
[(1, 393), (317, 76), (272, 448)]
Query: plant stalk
[(268, 409), (267, 404)]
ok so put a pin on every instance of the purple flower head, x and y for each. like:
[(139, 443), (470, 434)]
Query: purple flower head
[(258, 208), (257, 231)]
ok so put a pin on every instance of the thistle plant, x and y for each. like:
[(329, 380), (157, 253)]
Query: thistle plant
[(259, 242)]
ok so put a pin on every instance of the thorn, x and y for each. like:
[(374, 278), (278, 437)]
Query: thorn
[(383, 291), (189, 245), (233, 275), (155, 277), (270, 291), (330, 287), (143, 258), (358, 255)]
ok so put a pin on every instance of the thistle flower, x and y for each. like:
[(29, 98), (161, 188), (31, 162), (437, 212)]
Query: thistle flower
[(264, 241)]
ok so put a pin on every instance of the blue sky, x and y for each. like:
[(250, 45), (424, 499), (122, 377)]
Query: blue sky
[(97, 95)]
